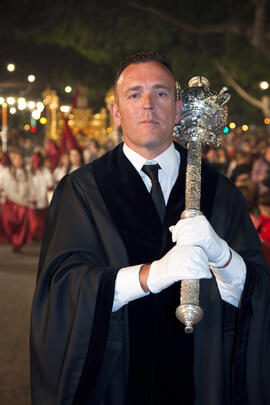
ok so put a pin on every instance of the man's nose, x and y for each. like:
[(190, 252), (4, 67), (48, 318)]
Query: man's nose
[(148, 102)]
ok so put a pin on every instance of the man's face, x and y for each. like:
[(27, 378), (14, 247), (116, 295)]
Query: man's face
[(146, 108)]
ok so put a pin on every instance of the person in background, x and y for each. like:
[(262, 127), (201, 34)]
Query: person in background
[(41, 184), (76, 159), (261, 170), (15, 183), (92, 151), (263, 226), (243, 165), (62, 169)]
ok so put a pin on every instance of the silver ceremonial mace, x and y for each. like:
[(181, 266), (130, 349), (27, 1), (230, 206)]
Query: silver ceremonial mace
[(203, 118)]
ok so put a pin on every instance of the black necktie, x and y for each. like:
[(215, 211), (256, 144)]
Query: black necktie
[(152, 172)]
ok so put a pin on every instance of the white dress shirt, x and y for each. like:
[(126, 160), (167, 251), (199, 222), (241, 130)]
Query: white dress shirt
[(127, 283)]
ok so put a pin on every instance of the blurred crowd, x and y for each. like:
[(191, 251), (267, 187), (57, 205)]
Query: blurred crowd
[(29, 172), (245, 159)]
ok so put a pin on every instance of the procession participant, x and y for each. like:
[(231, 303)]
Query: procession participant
[(15, 183), (41, 184), (103, 324), (62, 169), (4, 162), (76, 159)]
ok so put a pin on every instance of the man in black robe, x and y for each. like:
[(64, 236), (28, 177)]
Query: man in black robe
[(103, 326)]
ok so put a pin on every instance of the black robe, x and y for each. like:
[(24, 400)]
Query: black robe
[(102, 219)]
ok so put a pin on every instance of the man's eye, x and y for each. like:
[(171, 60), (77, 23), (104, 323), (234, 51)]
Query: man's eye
[(134, 95), (161, 94)]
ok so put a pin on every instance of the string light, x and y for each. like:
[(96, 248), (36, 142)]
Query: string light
[(65, 108), (267, 121), (264, 85), (11, 100), (245, 127), (232, 125), (11, 67), (68, 89), (31, 78), (31, 105)]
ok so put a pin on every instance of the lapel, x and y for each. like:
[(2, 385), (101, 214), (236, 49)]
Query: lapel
[(130, 204), (127, 199)]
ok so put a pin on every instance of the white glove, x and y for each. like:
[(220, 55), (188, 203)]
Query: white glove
[(197, 231), (180, 263)]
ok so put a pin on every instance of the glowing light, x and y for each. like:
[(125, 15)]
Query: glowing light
[(226, 130), (68, 89), (232, 125), (109, 130), (22, 103), (264, 85), (65, 108), (33, 129), (43, 120), (2, 100), (12, 110), (31, 78), (31, 105), (11, 100), (244, 127), (11, 67), (26, 127), (36, 114), (267, 121), (40, 106)]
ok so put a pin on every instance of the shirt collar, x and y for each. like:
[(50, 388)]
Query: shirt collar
[(167, 160)]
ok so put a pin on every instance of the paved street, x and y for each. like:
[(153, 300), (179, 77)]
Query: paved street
[(17, 280)]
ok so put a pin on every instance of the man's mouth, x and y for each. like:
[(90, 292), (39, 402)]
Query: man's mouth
[(153, 122)]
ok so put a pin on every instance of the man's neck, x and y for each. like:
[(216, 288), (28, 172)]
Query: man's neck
[(147, 153)]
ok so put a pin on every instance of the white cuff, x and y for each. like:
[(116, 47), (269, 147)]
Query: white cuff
[(231, 279), (127, 286)]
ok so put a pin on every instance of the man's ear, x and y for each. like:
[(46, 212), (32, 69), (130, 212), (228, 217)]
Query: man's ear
[(178, 109), (115, 113)]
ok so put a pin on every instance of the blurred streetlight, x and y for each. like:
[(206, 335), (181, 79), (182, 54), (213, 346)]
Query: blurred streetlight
[(40, 106), (11, 100), (264, 85), (2, 100), (36, 114), (31, 78), (232, 125), (244, 127), (65, 108), (11, 67), (12, 110), (68, 89), (31, 105)]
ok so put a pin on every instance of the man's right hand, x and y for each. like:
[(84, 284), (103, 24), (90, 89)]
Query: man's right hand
[(180, 263)]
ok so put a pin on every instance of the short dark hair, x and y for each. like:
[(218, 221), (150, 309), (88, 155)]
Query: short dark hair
[(141, 57)]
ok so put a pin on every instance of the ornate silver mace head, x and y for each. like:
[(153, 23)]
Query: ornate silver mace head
[(204, 114)]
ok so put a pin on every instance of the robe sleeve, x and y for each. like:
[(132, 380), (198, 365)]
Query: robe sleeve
[(73, 299), (251, 357)]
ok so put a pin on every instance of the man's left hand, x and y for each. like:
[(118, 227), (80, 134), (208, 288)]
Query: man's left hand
[(197, 231)]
